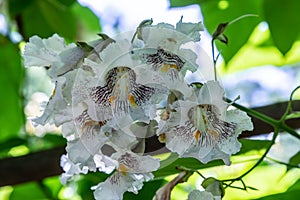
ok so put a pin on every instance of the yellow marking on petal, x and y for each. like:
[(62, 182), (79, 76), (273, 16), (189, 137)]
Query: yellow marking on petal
[(172, 66), (123, 169), (164, 68), (53, 92), (111, 99), (197, 135), (131, 100), (165, 115), (204, 119), (213, 133), (162, 138)]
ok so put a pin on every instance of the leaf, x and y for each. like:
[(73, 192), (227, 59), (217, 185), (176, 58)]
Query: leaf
[(88, 24), (215, 13), (87, 181), (250, 145), (11, 77), (283, 196), (47, 142), (180, 3), (190, 163), (27, 191), (17, 6), (6, 145), (295, 186), (168, 166), (293, 115), (147, 192), (294, 160), (282, 17), (53, 17), (67, 2)]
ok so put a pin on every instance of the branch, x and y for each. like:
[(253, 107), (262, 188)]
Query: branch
[(40, 165), (31, 167)]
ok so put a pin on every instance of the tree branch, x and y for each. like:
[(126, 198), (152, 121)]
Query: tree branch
[(43, 164)]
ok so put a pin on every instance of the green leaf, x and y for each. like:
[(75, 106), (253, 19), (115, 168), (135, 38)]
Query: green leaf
[(283, 196), (168, 166), (11, 77), (294, 160), (295, 186), (67, 2), (27, 191), (282, 17), (87, 22), (53, 17), (250, 145), (6, 145), (48, 141), (180, 3), (87, 181), (293, 115), (54, 185), (190, 163), (17, 6), (216, 12), (147, 192)]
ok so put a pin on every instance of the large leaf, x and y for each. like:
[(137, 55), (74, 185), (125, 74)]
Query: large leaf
[(147, 192), (283, 19), (28, 191), (87, 22), (294, 160), (47, 17), (44, 18), (11, 76), (215, 13), (17, 6), (168, 167), (283, 196)]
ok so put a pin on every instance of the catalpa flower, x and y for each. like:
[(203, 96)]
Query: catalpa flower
[(131, 172), (170, 52), (118, 88), (55, 54), (204, 129)]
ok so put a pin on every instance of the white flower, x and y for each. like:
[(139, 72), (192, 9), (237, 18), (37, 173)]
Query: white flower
[(44, 52), (168, 37), (55, 105), (205, 130), (70, 169), (56, 55), (132, 171), (170, 52), (116, 90), (166, 68)]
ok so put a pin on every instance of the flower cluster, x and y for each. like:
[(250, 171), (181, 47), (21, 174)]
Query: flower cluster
[(112, 94)]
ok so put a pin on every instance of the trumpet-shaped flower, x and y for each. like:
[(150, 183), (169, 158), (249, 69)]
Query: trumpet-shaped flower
[(117, 90), (204, 129), (132, 171)]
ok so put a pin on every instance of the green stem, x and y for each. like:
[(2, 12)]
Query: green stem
[(282, 163), (254, 113), (288, 129), (182, 168), (269, 120), (257, 163)]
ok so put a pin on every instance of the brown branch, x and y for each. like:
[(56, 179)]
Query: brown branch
[(31, 167), (37, 166)]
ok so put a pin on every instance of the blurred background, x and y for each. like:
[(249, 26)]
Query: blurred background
[(260, 64)]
